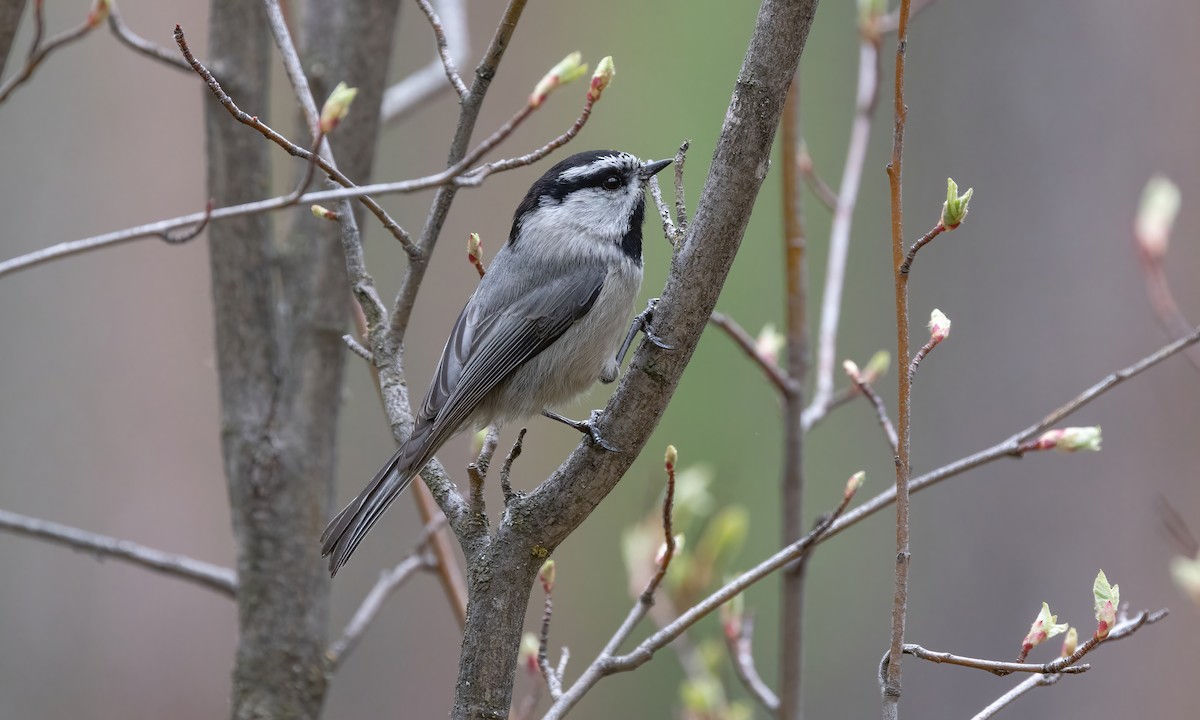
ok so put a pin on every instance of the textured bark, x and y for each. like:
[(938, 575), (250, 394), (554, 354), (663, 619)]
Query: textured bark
[(10, 17), (501, 575), (280, 310)]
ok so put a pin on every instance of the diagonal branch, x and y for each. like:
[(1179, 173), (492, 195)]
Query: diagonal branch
[(448, 64), (414, 91), (38, 51), (219, 579)]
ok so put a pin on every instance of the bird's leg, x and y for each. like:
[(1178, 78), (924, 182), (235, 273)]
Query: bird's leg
[(587, 427), (642, 323)]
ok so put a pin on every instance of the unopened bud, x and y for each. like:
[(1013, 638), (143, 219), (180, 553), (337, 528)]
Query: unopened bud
[(1069, 439), (1108, 600), (1042, 629), (601, 78), (1070, 642), (546, 575), (877, 366), (939, 326), (337, 107), (954, 210), (853, 484), (474, 247), (851, 369), (1186, 573), (732, 615), (568, 69), (98, 13), (768, 344), (671, 457), (1156, 216), (323, 212), (527, 656)]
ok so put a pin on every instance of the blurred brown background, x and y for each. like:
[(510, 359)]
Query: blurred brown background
[(1056, 113)]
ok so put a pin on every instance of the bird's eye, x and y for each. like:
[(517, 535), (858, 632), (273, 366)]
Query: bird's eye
[(612, 182)]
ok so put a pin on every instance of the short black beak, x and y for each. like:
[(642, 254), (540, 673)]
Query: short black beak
[(651, 169)]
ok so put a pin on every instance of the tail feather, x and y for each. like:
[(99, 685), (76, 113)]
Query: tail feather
[(346, 531)]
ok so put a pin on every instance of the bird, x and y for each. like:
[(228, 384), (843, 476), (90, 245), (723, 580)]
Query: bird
[(541, 328)]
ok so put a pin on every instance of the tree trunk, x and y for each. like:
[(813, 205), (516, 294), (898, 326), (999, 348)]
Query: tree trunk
[(280, 310)]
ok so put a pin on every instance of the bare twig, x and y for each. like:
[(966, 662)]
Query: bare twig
[(996, 667), (439, 35), (506, 468), (839, 232), (891, 680), (1007, 698), (906, 266), (681, 211), (178, 237), (891, 22), (213, 577), (770, 368), (919, 356), (140, 44), (1162, 302), (608, 662), (864, 387), (389, 581), (39, 51), (357, 348), (477, 471), (415, 90), (813, 179), (553, 677), (741, 650), (1177, 528)]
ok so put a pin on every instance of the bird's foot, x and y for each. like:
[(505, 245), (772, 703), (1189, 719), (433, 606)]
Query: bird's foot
[(642, 323), (587, 427)]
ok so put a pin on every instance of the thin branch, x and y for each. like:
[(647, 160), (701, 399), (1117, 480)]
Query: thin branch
[(920, 355), (741, 651), (996, 667), (608, 662), (742, 339), (1007, 698), (357, 348), (1162, 302), (839, 232), (681, 211), (389, 581), (891, 681), (137, 43), (891, 22), (477, 471), (506, 468), (183, 235), (906, 266), (820, 189), (39, 51), (864, 387), (417, 89), (443, 49), (553, 677), (216, 578)]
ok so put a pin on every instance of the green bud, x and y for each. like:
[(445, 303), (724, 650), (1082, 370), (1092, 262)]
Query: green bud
[(954, 211)]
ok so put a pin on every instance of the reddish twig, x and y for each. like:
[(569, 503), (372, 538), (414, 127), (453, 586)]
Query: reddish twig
[(891, 680), (740, 645), (552, 677), (742, 339), (38, 51), (863, 386), (912, 252), (179, 237)]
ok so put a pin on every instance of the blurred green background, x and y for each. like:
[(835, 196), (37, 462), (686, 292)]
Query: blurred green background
[(1056, 113)]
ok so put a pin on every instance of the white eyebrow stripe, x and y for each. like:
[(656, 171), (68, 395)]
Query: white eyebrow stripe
[(615, 162)]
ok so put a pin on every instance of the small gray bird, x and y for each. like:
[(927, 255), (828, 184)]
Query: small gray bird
[(540, 329)]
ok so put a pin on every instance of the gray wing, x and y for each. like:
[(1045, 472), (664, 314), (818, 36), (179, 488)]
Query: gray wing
[(489, 344)]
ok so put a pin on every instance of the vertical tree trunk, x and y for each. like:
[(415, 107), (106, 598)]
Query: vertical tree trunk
[(280, 311)]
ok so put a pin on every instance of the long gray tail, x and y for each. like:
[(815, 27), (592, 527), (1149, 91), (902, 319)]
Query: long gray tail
[(347, 530)]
